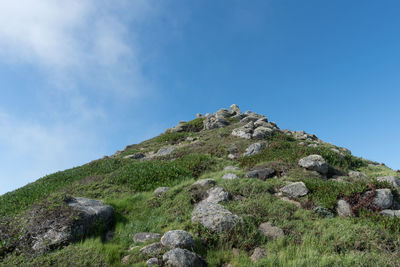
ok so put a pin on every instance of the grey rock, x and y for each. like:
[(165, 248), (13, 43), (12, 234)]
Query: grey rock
[(229, 176), (161, 190), (313, 145), (232, 156), (222, 113), (198, 115), (214, 123), (214, 217), (125, 259), (269, 230), (58, 231), (323, 212), (231, 168), (217, 194), (152, 249), (357, 175), (178, 239), (135, 156), (390, 179), (245, 131), (152, 262), (262, 132), (181, 127), (254, 149), (183, 258), (205, 182), (235, 110), (165, 151), (258, 254), (261, 174), (302, 135), (297, 189), (383, 198), (343, 209), (393, 213), (146, 237), (314, 163)]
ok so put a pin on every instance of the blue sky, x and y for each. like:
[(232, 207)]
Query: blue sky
[(82, 79)]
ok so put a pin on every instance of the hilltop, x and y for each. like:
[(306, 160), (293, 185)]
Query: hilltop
[(224, 189)]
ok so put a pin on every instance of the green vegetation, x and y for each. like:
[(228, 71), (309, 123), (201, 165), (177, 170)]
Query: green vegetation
[(310, 239)]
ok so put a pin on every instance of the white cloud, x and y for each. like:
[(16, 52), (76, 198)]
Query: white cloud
[(29, 150)]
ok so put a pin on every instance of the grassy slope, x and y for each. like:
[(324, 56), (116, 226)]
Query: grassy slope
[(310, 240)]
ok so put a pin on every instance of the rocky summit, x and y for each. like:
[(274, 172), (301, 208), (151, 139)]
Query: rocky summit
[(228, 188)]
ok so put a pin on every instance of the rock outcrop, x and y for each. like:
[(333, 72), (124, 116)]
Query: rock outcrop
[(314, 163)]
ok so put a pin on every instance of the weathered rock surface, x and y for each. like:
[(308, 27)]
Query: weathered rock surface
[(231, 168), (152, 262), (214, 123), (297, 189), (135, 156), (152, 249), (146, 237), (205, 182), (383, 198), (269, 230), (261, 174), (160, 190), (343, 208), (214, 217), (54, 232), (390, 179), (235, 110), (314, 163), (178, 239), (222, 113), (302, 135), (183, 258), (258, 254), (245, 131), (229, 176), (217, 194), (254, 149), (393, 213)]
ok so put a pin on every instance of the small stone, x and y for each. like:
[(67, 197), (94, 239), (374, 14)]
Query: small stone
[(161, 190), (152, 262), (178, 239), (183, 258), (261, 174), (357, 175), (152, 249), (125, 259), (146, 237), (254, 149), (269, 230), (344, 209), (230, 176), (297, 189), (231, 168), (258, 254), (231, 156), (393, 213)]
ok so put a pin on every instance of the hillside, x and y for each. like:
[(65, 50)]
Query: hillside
[(224, 189)]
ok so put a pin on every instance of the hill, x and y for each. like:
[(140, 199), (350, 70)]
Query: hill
[(225, 189)]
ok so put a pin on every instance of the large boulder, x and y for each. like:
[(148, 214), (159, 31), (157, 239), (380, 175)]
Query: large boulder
[(390, 179), (222, 113), (84, 217), (178, 239), (214, 217), (383, 198), (314, 163), (262, 132), (245, 131), (254, 149), (213, 122), (302, 135), (261, 174), (297, 189), (358, 175), (183, 258), (152, 249), (235, 110)]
